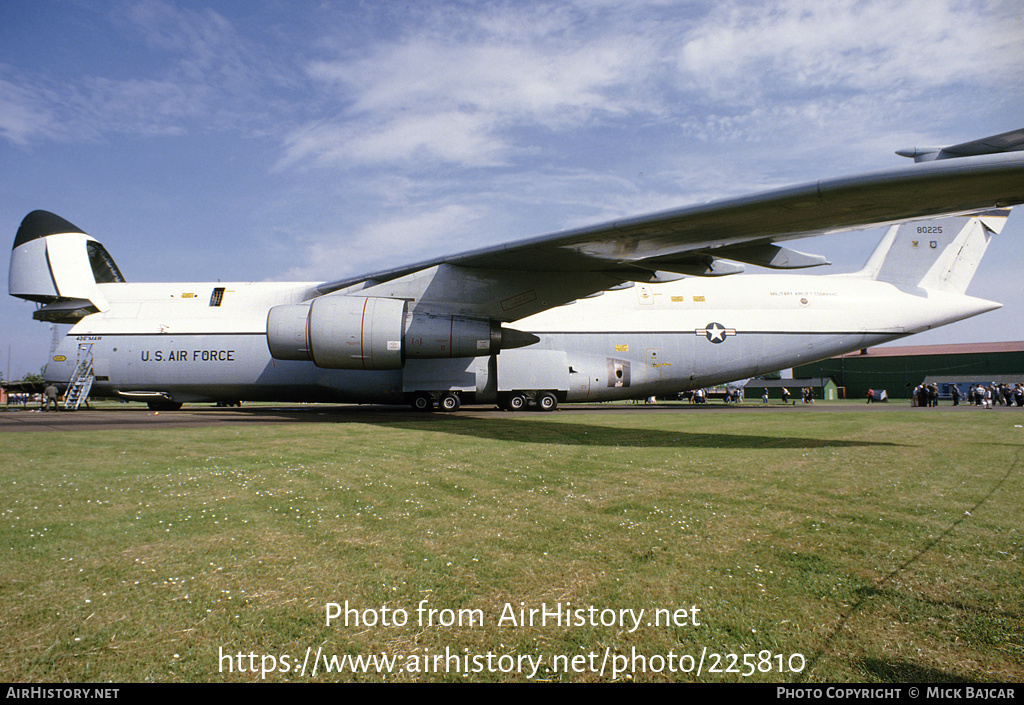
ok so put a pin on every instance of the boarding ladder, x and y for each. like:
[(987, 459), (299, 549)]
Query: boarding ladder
[(81, 380)]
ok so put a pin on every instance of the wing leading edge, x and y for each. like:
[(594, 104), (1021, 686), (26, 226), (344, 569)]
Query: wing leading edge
[(514, 280)]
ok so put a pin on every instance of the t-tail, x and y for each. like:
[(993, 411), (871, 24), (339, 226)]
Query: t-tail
[(938, 255), (60, 267)]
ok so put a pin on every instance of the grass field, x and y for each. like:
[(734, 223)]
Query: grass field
[(783, 546)]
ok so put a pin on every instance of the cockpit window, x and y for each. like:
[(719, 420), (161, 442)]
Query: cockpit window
[(103, 268)]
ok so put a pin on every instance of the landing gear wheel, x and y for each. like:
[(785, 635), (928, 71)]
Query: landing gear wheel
[(450, 402), (546, 401), (516, 402), (422, 402)]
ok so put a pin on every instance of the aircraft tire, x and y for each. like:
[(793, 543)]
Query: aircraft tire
[(449, 402), (516, 402), (422, 402), (546, 401)]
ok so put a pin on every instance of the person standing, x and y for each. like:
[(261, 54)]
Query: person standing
[(51, 394)]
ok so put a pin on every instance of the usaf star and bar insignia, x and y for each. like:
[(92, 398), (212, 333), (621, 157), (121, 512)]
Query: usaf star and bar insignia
[(715, 332)]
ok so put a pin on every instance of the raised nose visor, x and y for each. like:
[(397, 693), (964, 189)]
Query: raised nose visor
[(55, 263), (374, 333)]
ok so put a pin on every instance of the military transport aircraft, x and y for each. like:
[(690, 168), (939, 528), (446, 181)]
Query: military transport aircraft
[(651, 312)]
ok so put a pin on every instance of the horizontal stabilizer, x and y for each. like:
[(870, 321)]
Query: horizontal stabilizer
[(1012, 141)]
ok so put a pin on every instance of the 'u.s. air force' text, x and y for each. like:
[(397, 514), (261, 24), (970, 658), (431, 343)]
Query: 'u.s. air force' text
[(187, 355)]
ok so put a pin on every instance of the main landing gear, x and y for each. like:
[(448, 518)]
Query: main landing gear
[(541, 400), (445, 401)]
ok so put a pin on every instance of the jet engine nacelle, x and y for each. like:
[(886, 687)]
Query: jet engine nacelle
[(373, 333)]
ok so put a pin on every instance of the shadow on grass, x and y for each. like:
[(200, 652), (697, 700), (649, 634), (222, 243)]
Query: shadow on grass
[(600, 436), (905, 672), (495, 426)]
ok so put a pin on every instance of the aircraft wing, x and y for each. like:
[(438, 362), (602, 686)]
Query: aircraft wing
[(511, 281)]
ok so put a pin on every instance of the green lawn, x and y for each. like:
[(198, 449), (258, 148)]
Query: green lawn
[(836, 546)]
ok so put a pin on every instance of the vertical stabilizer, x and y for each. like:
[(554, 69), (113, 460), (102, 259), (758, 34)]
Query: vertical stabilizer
[(941, 254)]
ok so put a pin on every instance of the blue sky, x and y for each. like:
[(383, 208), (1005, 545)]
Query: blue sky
[(291, 140)]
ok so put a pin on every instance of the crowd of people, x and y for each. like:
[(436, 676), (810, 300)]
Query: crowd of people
[(996, 394), (735, 395), (926, 395), (985, 396)]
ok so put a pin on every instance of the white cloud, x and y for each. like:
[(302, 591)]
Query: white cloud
[(529, 80), (453, 137), (744, 52), (458, 97), (469, 90), (404, 240), (187, 71), (480, 85), (25, 113)]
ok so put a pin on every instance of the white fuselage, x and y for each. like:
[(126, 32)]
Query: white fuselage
[(641, 341)]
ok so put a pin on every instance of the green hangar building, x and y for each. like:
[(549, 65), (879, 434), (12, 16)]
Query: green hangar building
[(898, 370)]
